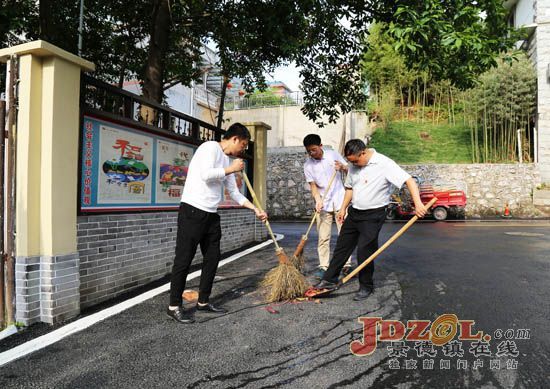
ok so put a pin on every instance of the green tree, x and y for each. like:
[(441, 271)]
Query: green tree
[(15, 17), (455, 40), (388, 77), (503, 103), (255, 36), (452, 39)]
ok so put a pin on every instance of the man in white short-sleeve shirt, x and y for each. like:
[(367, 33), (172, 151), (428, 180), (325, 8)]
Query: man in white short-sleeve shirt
[(318, 169), (368, 188), (198, 221)]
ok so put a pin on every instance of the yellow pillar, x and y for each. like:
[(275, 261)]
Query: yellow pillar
[(59, 159), (28, 156), (47, 148), (46, 181), (258, 131)]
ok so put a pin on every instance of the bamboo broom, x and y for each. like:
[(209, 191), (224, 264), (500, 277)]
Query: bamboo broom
[(284, 282), (298, 259), (314, 292)]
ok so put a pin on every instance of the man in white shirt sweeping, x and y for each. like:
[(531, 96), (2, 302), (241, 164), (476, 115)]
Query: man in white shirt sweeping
[(318, 170), (368, 189), (198, 221)]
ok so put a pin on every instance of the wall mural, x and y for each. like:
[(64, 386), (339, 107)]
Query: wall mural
[(173, 162), (127, 169)]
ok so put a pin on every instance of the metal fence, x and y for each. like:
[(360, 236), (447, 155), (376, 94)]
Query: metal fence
[(262, 100), (100, 97), (102, 100)]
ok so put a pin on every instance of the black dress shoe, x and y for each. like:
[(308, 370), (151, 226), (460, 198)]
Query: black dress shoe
[(180, 315), (210, 308), (323, 284), (362, 294), (346, 270)]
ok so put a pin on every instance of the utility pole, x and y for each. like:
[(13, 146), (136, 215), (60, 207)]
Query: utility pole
[(80, 25)]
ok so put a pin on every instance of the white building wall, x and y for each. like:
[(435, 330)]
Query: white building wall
[(525, 13), (543, 72), (289, 125), (179, 98)]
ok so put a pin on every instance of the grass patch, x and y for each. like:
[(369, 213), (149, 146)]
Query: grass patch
[(413, 142)]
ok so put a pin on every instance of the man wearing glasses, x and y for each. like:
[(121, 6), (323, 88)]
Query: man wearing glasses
[(368, 188), (318, 169)]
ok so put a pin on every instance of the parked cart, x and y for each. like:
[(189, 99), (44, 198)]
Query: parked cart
[(450, 202)]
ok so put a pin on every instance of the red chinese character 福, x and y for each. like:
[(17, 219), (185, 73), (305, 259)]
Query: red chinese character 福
[(123, 145)]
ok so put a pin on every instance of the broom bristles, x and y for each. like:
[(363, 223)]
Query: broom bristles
[(298, 262), (284, 282)]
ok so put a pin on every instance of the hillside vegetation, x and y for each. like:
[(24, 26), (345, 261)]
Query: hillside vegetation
[(413, 142), (422, 117)]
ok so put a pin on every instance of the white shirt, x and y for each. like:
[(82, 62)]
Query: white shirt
[(372, 184), (206, 176), (320, 171)]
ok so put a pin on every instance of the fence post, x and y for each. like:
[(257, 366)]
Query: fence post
[(2, 140), (10, 191), (258, 130), (195, 130)]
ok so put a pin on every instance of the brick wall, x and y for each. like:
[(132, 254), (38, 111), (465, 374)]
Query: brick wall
[(47, 288), (27, 287), (121, 252)]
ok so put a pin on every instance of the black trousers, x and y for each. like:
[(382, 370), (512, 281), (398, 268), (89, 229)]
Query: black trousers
[(195, 227), (360, 229)]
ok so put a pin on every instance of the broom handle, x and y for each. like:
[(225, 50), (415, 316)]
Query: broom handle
[(257, 203), (316, 214), (385, 245)]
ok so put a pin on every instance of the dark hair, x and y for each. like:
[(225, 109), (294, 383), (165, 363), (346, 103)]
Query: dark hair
[(238, 130), (354, 147), (312, 140)]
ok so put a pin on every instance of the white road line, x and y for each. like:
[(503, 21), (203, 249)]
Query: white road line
[(81, 324), (544, 224)]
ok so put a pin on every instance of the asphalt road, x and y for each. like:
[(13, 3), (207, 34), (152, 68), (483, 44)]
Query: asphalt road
[(493, 273)]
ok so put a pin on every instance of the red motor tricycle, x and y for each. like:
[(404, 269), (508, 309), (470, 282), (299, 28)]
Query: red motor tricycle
[(449, 202)]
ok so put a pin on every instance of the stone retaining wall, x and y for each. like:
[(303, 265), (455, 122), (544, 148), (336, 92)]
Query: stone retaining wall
[(488, 187)]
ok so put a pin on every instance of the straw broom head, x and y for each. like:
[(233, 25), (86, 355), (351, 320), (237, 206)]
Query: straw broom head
[(284, 282), (298, 261)]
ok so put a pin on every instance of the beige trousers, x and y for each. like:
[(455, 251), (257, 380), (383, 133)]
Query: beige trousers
[(324, 229)]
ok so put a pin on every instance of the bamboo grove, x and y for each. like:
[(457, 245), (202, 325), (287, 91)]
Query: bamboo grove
[(499, 111)]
